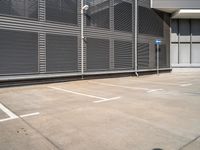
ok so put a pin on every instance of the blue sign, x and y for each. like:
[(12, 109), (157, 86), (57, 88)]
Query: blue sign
[(158, 42)]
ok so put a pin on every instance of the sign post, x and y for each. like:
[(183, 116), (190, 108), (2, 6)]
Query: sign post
[(158, 43)]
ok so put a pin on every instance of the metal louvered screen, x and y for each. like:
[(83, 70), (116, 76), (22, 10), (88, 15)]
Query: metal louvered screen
[(98, 13), (62, 53), (123, 55), (62, 11), (18, 52), (143, 56), (123, 15), (162, 57), (150, 22), (21, 8), (97, 54)]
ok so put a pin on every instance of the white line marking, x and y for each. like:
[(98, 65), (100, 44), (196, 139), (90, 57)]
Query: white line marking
[(156, 82), (127, 87), (8, 112), (12, 115), (151, 91), (184, 85), (27, 115), (105, 100), (77, 93), (7, 119), (121, 86)]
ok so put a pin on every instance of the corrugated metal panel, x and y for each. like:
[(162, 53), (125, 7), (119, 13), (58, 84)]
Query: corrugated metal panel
[(62, 11), (98, 13), (123, 15), (42, 52), (42, 10), (37, 26), (143, 56), (19, 8), (62, 53), (123, 55), (97, 54), (19, 52)]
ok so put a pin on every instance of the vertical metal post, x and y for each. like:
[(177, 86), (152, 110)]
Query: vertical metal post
[(157, 47), (178, 41), (82, 39), (136, 37), (190, 41)]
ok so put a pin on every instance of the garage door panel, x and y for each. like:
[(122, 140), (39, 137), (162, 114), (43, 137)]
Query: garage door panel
[(62, 53), (19, 52)]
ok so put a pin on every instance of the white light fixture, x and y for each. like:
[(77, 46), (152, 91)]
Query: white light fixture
[(85, 7)]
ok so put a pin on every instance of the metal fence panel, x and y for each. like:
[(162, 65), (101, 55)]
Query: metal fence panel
[(123, 15), (143, 56), (19, 8), (98, 13), (62, 11), (123, 55), (97, 54)]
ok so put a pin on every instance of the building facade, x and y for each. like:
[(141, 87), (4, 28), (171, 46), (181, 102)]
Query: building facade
[(42, 38), (185, 30)]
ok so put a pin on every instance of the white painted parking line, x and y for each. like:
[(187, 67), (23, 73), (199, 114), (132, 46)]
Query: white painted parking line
[(7, 119), (126, 87), (82, 94), (165, 83), (121, 86), (13, 116), (28, 115), (155, 90), (187, 84), (8, 112), (105, 100), (156, 82)]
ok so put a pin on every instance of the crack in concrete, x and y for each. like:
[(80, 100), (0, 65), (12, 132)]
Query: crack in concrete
[(190, 142)]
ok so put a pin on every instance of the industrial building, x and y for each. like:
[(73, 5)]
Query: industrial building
[(59, 38)]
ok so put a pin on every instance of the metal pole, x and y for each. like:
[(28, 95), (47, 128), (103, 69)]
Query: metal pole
[(136, 33), (157, 58), (82, 39)]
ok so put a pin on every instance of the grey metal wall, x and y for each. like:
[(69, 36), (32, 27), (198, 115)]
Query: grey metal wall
[(152, 25), (45, 37), (185, 43), (110, 25), (42, 36)]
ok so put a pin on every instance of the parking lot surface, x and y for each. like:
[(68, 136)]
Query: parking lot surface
[(153, 112)]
